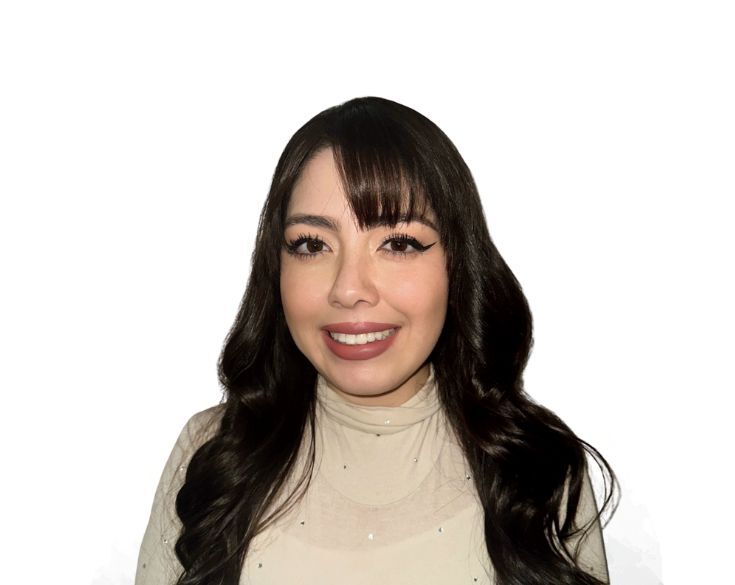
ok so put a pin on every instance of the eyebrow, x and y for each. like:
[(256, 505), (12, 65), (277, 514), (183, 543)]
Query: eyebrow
[(328, 223), (321, 221)]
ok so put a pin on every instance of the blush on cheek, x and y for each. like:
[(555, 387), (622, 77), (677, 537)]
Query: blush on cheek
[(301, 308)]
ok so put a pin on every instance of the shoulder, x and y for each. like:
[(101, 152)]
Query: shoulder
[(205, 422), (199, 428), (157, 562)]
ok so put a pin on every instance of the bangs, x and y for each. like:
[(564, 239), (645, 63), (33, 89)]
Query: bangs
[(379, 166)]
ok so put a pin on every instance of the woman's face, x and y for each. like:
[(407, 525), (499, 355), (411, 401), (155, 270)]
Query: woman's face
[(365, 307)]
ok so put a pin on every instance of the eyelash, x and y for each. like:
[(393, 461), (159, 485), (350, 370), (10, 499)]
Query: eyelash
[(405, 239), (293, 245)]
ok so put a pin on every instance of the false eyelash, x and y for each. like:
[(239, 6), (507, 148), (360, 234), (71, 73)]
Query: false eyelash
[(292, 245), (405, 238)]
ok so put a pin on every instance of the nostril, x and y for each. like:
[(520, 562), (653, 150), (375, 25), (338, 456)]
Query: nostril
[(348, 289)]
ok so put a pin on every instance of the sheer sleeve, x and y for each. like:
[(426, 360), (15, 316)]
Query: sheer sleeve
[(157, 562), (588, 547)]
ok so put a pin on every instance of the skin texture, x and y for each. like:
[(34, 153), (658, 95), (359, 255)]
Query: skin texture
[(356, 276)]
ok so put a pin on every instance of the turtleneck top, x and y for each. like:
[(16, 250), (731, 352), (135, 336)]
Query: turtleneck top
[(390, 500)]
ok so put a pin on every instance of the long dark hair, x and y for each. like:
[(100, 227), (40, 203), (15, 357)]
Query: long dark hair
[(527, 464)]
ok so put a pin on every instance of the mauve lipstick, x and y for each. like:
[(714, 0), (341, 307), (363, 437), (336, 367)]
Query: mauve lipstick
[(363, 351)]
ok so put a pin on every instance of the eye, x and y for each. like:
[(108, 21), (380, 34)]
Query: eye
[(305, 247), (403, 245)]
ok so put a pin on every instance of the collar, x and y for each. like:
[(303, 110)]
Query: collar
[(380, 420)]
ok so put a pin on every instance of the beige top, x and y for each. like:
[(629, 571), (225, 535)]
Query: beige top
[(391, 501)]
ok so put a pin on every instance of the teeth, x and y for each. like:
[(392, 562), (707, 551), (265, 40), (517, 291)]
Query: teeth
[(362, 338)]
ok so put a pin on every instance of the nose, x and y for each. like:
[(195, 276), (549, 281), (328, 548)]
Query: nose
[(354, 283)]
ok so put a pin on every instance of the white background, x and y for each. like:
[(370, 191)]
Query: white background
[(137, 142)]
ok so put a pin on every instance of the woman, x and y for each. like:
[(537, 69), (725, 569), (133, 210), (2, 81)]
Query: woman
[(375, 427)]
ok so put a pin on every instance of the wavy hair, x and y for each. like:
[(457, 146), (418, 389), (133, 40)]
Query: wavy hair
[(528, 466)]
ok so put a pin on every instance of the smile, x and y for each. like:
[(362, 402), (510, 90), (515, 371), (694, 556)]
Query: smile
[(357, 344), (361, 338)]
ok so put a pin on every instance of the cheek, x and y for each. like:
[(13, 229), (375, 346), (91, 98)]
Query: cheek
[(300, 296), (421, 295)]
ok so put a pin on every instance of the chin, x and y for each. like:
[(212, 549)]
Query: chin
[(369, 379), (363, 383)]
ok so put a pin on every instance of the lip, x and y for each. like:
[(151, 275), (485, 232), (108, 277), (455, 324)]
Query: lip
[(360, 352), (357, 328)]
